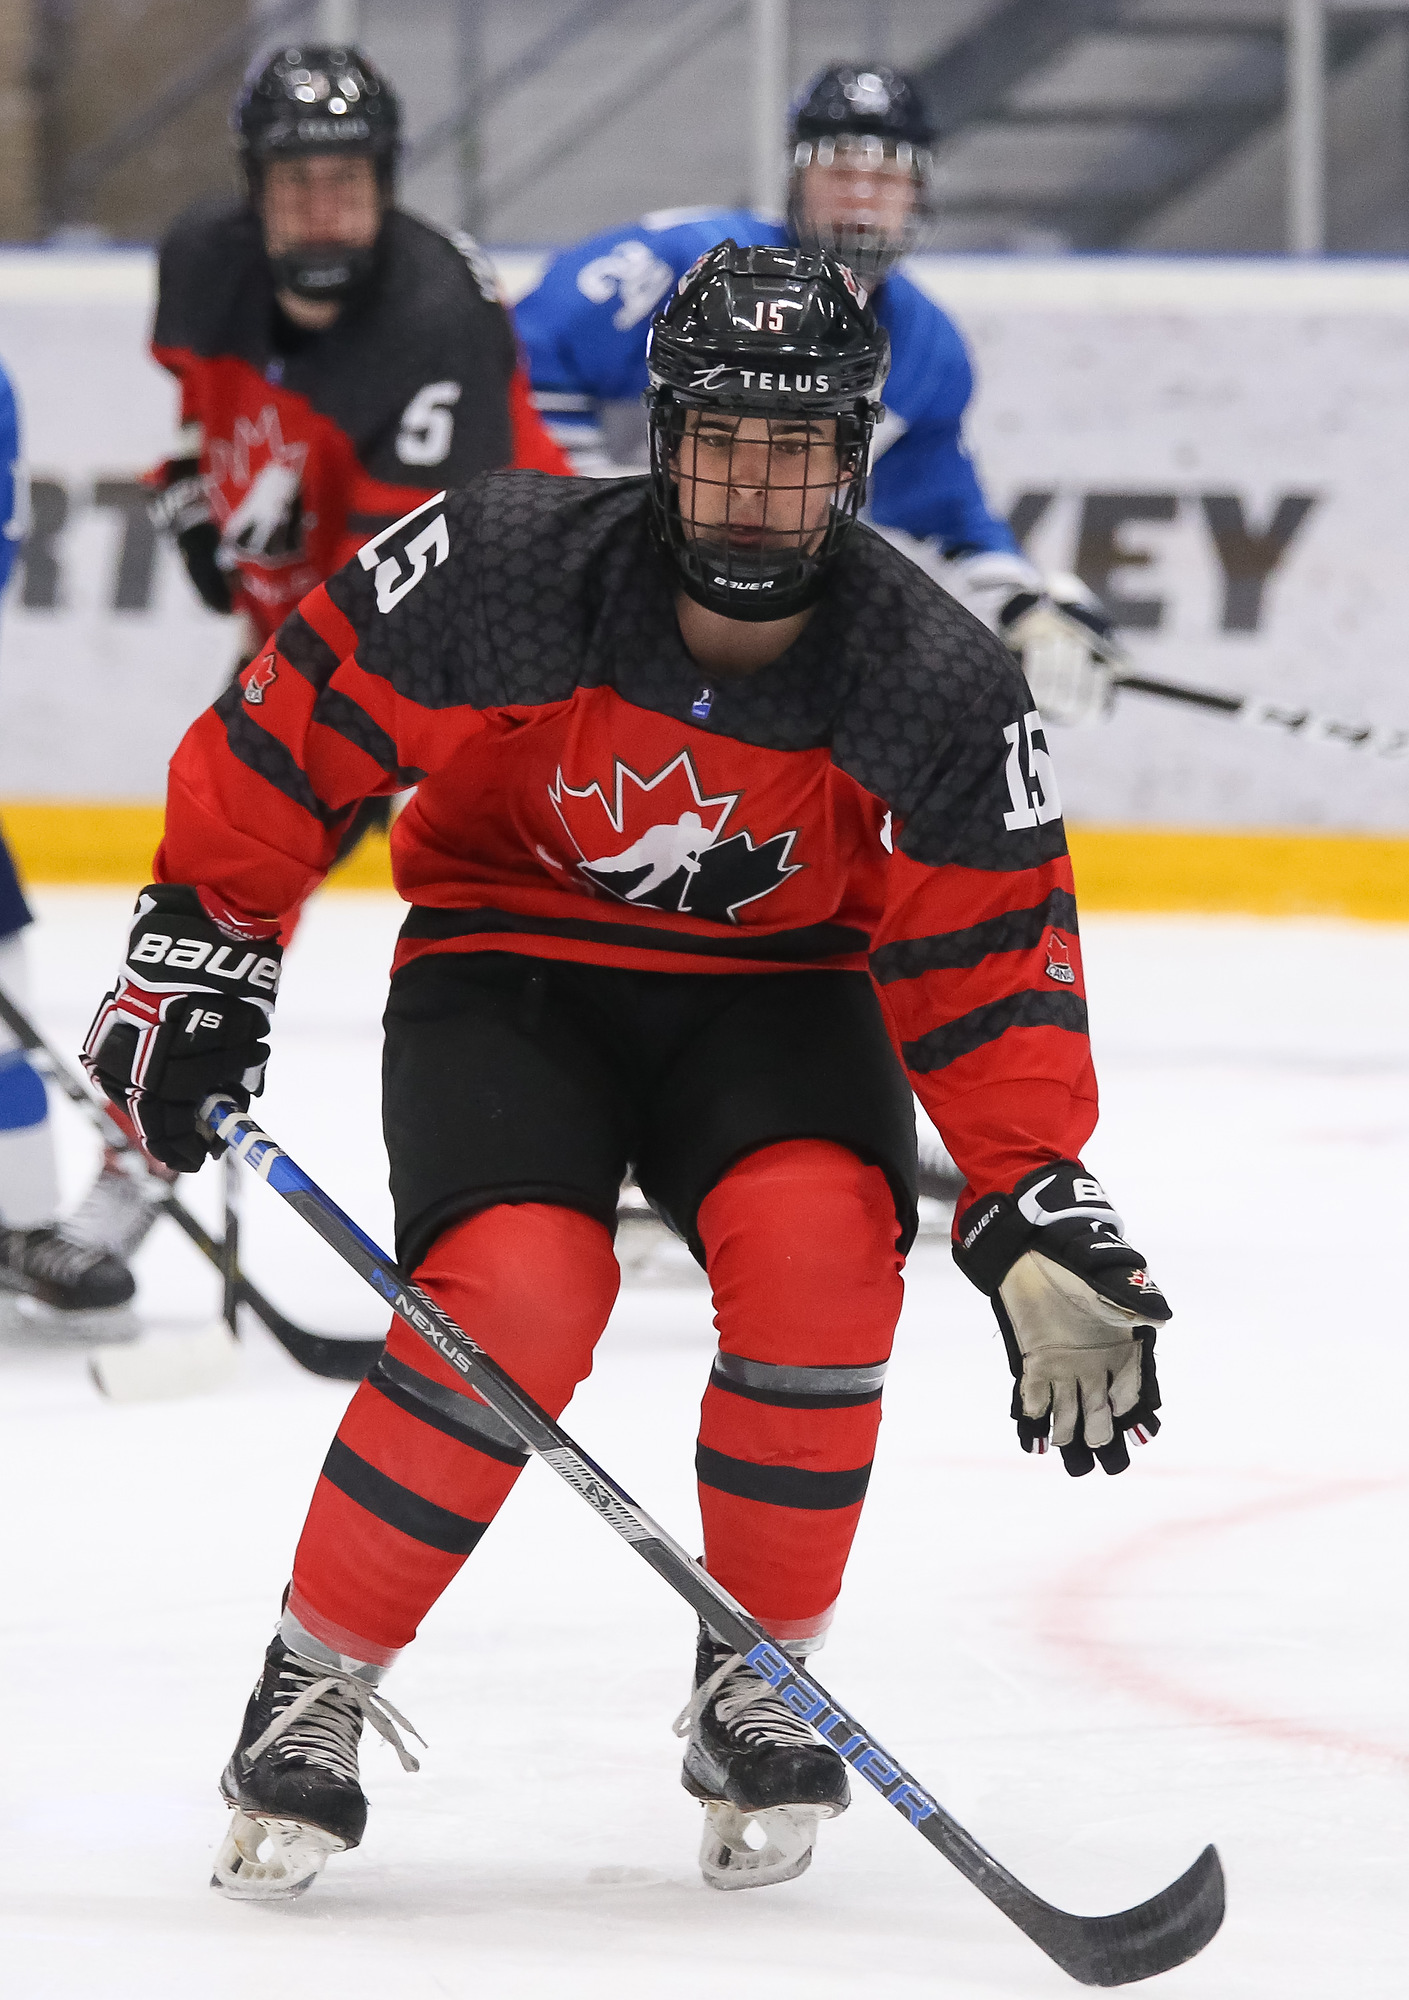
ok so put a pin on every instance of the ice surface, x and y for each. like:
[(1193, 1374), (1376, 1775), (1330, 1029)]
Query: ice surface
[(1095, 1676)]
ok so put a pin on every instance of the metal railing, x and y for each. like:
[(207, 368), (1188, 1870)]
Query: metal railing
[(83, 173), (701, 20)]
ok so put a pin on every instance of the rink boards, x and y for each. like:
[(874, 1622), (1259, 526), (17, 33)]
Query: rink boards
[(1222, 446)]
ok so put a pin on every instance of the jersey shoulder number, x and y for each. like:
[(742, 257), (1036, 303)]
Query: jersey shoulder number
[(1032, 782), (402, 554)]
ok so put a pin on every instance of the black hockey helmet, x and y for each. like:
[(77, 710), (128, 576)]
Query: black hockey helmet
[(310, 99), (316, 99), (880, 103), (766, 368), (860, 117)]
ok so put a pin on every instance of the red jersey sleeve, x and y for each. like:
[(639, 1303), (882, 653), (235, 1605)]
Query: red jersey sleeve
[(978, 962), (264, 783)]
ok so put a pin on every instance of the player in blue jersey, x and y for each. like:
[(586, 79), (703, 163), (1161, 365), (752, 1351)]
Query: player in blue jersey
[(860, 145), (82, 1284)]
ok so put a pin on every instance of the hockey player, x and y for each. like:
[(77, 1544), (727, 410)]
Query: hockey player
[(338, 361), (859, 154), (82, 1285), (715, 667), (338, 358)]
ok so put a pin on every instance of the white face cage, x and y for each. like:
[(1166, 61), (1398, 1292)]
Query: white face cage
[(862, 149), (870, 243)]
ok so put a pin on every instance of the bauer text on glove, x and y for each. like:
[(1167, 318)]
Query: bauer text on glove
[(186, 1017)]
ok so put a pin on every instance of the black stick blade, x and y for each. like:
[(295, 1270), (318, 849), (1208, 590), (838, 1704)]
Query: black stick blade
[(337, 1360), (1133, 1944)]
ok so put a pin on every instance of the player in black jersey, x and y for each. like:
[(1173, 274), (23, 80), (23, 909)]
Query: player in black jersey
[(339, 361), (727, 818)]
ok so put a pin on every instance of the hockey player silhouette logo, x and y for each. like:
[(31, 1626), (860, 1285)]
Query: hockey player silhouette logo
[(660, 843), (256, 491)]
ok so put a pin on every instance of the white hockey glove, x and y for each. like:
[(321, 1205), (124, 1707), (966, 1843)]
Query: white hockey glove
[(1063, 638), (1077, 1310), (1055, 625)]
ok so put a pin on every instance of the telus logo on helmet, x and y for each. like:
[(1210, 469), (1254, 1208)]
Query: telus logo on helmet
[(800, 384)]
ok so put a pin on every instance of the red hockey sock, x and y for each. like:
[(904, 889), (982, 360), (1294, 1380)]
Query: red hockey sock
[(800, 1241), (410, 1484)]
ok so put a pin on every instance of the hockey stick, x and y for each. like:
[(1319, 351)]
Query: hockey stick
[(321, 1354), (1381, 740), (1099, 1951)]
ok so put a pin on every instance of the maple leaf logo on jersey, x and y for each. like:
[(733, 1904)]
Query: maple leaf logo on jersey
[(262, 675), (256, 491), (1059, 965), (660, 842)]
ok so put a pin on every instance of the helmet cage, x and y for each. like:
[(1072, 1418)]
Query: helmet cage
[(749, 561), (867, 246)]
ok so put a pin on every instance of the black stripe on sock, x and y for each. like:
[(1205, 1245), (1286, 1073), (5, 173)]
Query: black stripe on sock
[(440, 1420), (793, 1399), (781, 1485), (396, 1505)]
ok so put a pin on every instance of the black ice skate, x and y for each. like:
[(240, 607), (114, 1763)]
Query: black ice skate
[(764, 1777), (292, 1782), (84, 1286)]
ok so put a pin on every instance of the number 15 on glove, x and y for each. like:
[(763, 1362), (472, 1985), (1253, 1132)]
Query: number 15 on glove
[(1077, 1310)]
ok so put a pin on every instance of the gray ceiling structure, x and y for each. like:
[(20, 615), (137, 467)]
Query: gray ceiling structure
[(1096, 125), (1066, 124)]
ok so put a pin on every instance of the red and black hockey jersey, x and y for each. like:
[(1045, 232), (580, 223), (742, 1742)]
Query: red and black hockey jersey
[(881, 796), (310, 443)]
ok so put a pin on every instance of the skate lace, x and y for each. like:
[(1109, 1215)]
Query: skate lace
[(114, 1209), (328, 1710), (747, 1707)]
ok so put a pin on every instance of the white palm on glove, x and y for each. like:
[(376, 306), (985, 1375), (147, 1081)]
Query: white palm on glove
[(1077, 1310), (1063, 639), (1082, 1364)]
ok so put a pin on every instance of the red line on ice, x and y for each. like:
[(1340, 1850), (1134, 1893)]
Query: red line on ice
[(1071, 1613)]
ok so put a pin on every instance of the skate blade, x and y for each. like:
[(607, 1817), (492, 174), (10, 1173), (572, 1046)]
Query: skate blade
[(167, 1365), (271, 1860), (744, 1850)]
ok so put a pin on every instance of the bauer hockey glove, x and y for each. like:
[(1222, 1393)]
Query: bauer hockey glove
[(186, 1018), (1077, 1310)]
